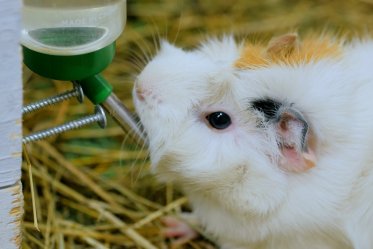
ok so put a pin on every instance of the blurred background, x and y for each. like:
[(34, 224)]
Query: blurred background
[(93, 188)]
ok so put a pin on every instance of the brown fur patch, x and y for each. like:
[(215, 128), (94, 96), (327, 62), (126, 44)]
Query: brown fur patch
[(283, 46), (287, 50)]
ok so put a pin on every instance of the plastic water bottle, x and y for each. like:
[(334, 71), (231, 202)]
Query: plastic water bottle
[(71, 27)]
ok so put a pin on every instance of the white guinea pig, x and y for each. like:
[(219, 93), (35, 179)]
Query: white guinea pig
[(273, 143)]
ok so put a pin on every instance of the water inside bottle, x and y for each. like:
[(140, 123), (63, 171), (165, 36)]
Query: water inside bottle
[(68, 36), (72, 30)]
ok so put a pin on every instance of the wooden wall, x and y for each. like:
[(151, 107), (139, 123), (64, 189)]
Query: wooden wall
[(11, 199)]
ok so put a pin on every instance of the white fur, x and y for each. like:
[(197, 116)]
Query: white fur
[(231, 177)]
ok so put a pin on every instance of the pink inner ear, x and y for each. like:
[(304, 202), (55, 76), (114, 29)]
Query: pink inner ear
[(295, 161), (290, 131), (296, 157)]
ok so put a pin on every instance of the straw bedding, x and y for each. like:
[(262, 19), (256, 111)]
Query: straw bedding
[(93, 188)]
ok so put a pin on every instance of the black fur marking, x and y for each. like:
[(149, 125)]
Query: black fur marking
[(267, 106), (270, 108)]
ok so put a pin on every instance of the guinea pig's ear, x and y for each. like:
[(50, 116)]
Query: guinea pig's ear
[(283, 45), (295, 140)]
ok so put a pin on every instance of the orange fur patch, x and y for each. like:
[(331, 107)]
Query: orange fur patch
[(309, 50)]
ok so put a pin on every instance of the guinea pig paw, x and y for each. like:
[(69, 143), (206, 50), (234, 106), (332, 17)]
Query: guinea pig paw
[(178, 229)]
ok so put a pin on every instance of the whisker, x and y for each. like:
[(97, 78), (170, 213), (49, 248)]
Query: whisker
[(156, 37), (179, 25), (138, 55), (146, 57), (125, 139), (141, 44), (139, 146), (145, 48), (144, 143), (137, 65)]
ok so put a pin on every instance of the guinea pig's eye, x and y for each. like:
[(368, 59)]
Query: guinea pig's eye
[(219, 120)]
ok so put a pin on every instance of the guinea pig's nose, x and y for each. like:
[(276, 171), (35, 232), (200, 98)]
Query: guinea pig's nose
[(146, 94), (140, 93)]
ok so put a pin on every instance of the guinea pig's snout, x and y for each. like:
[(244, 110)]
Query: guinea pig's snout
[(140, 93), (143, 93), (146, 94)]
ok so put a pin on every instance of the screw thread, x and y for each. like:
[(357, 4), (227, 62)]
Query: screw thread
[(97, 117), (51, 100)]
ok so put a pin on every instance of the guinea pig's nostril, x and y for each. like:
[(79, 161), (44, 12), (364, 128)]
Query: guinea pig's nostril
[(140, 93), (146, 94)]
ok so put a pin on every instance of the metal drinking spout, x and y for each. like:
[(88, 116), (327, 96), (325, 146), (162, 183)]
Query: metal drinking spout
[(99, 91), (128, 121)]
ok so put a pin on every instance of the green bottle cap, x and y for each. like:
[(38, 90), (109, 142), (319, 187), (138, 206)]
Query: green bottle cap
[(83, 69), (69, 67)]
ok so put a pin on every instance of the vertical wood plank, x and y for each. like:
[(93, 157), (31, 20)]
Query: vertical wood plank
[(11, 199), (11, 211)]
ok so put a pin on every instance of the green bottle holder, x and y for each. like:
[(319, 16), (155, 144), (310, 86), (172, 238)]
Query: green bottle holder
[(83, 69)]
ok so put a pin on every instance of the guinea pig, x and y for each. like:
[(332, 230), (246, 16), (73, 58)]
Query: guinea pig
[(272, 143)]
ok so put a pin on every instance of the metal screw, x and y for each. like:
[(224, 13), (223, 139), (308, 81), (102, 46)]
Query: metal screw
[(76, 92), (98, 117)]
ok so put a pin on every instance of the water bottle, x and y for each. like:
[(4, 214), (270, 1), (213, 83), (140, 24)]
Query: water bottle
[(71, 27)]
